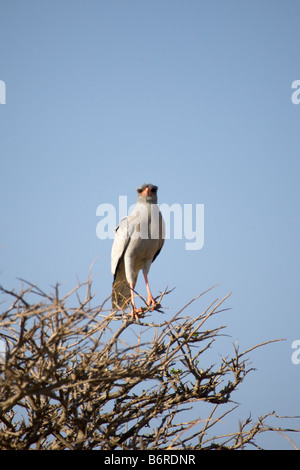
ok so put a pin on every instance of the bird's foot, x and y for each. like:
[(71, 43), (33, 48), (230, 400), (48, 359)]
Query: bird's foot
[(135, 314), (152, 304)]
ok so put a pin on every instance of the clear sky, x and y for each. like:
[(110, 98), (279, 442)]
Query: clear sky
[(193, 96)]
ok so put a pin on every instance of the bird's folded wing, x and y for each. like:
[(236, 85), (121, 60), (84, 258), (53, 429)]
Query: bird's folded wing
[(124, 231), (162, 232)]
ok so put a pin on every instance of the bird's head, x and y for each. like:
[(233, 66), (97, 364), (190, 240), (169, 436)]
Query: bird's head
[(147, 193)]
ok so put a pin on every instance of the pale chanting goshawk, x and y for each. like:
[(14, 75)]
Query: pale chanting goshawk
[(138, 241)]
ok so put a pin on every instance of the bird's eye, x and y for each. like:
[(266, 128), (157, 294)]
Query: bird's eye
[(139, 190)]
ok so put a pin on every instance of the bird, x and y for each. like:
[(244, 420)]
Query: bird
[(138, 241)]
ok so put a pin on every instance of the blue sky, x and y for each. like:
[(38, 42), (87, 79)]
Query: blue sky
[(195, 97)]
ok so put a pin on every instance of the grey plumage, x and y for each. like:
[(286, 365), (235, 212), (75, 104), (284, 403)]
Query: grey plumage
[(138, 241)]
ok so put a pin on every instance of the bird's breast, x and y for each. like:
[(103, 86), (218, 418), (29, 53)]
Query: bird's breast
[(141, 248)]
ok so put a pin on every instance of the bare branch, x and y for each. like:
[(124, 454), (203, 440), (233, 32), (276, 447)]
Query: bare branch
[(75, 377)]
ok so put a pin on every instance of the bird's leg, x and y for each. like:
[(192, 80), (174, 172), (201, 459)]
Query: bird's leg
[(150, 301), (135, 312)]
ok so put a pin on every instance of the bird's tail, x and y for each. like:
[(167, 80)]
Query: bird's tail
[(121, 293)]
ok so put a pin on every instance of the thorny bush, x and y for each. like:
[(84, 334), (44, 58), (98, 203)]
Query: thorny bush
[(87, 378)]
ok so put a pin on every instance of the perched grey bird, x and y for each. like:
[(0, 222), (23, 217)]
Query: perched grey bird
[(138, 241)]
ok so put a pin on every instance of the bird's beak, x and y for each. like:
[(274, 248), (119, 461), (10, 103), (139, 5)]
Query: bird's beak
[(147, 192)]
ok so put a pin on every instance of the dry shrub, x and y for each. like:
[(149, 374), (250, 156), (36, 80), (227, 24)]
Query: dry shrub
[(85, 378)]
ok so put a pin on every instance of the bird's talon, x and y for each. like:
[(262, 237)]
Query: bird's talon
[(153, 305), (136, 313)]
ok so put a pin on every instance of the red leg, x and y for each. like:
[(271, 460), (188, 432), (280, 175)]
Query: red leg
[(135, 312), (150, 300)]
